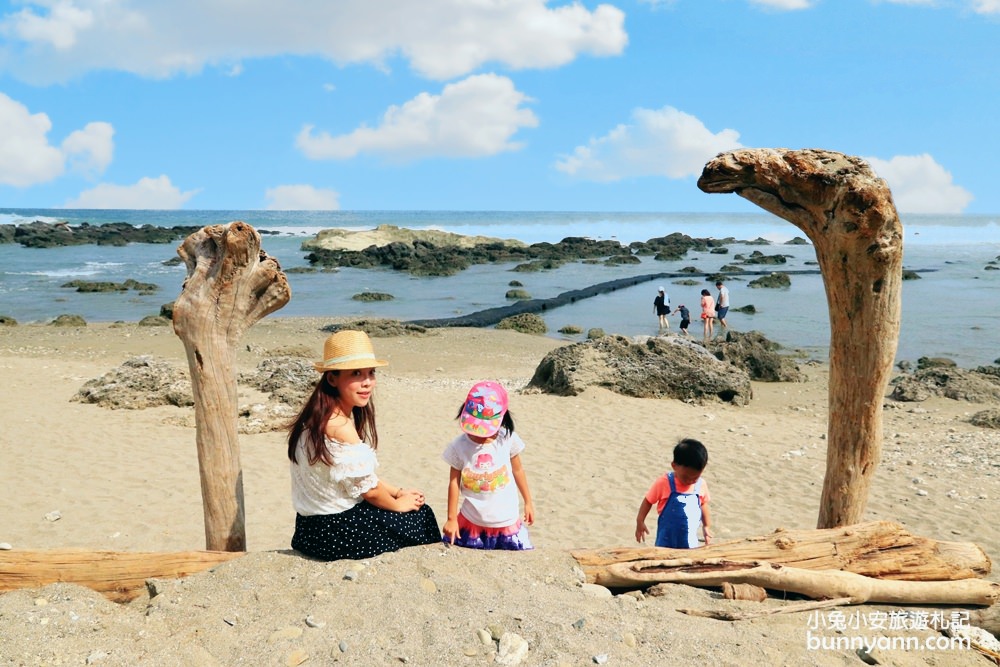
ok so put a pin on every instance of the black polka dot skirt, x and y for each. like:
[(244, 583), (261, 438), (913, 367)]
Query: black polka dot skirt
[(363, 531)]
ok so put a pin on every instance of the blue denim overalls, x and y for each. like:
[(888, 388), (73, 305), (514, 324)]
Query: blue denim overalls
[(677, 526)]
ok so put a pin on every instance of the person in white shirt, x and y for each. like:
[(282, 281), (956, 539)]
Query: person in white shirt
[(723, 303), (486, 476), (342, 508)]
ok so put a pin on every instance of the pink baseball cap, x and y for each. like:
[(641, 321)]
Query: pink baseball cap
[(484, 409)]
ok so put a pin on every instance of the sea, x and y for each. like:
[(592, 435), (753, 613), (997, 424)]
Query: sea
[(952, 310)]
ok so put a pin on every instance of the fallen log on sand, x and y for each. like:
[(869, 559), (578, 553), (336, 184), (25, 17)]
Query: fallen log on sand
[(119, 575), (880, 549), (815, 584)]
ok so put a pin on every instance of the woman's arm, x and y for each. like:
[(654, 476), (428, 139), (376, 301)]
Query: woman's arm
[(450, 529), (521, 479), (394, 499)]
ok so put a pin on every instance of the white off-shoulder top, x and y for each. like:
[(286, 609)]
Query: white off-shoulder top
[(323, 489)]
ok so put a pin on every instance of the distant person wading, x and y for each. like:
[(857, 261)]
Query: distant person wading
[(661, 307)]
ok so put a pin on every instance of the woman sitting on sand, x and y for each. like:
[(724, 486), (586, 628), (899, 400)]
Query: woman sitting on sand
[(343, 510)]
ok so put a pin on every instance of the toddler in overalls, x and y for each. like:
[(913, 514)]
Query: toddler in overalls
[(681, 500)]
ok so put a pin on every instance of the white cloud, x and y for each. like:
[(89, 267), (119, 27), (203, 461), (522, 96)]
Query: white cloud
[(26, 156), (147, 193), (54, 40), (58, 27), (302, 198), (475, 117), (90, 150), (920, 185), (784, 5), (986, 6), (664, 142)]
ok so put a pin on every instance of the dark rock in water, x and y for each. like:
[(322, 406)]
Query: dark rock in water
[(373, 296), (758, 241), (948, 381), (108, 286), (617, 260), (910, 275), (379, 328), (798, 240), (986, 419), (646, 367), (517, 294), (140, 382), (536, 265), (167, 310), (154, 321), (66, 320), (90, 286), (595, 333), (571, 329), (749, 309), (515, 283), (672, 247), (757, 257), (40, 234), (719, 251), (7, 321), (774, 280), (687, 282), (754, 353), (530, 323)]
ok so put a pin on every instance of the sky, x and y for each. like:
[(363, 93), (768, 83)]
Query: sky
[(488, 105)]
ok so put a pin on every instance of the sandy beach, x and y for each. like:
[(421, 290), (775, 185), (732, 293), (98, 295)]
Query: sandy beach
[(128, 480)]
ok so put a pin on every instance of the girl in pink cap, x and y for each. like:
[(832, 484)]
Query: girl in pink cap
[(486, 475)]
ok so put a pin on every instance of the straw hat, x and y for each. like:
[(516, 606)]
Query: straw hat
[(348, 349)]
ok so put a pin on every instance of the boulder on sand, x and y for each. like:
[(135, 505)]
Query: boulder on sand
[(643, 367)]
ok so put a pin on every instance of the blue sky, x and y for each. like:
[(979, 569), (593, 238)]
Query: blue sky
[(486, 104)]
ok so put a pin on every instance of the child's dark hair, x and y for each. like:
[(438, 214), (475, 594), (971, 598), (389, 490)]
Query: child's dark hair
[(690, 453), (507, 422)]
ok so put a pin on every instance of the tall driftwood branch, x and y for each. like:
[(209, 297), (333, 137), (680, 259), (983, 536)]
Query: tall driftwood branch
[(848, 214), (880, 549), (231, 284)]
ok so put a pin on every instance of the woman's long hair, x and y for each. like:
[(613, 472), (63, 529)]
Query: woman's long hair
[(314, 415)]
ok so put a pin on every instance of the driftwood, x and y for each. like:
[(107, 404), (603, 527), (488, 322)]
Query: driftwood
[(119, 575), (848, 214), (732, 591), (794, 608), (880, 549), (713, 572), (231, 284)]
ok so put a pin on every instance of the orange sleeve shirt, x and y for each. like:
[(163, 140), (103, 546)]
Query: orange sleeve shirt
[(659, 492)]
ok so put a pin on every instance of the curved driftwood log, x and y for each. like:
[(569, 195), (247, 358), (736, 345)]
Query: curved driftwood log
[(848, 214), (713, 572), (231, 284), (880, 549)]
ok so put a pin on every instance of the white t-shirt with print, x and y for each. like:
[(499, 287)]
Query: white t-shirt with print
[(489, 493)]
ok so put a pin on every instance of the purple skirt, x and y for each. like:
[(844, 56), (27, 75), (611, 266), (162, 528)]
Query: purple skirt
[(509, 538)]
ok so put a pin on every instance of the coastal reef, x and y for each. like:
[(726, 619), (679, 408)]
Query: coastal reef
[(40, 234)]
